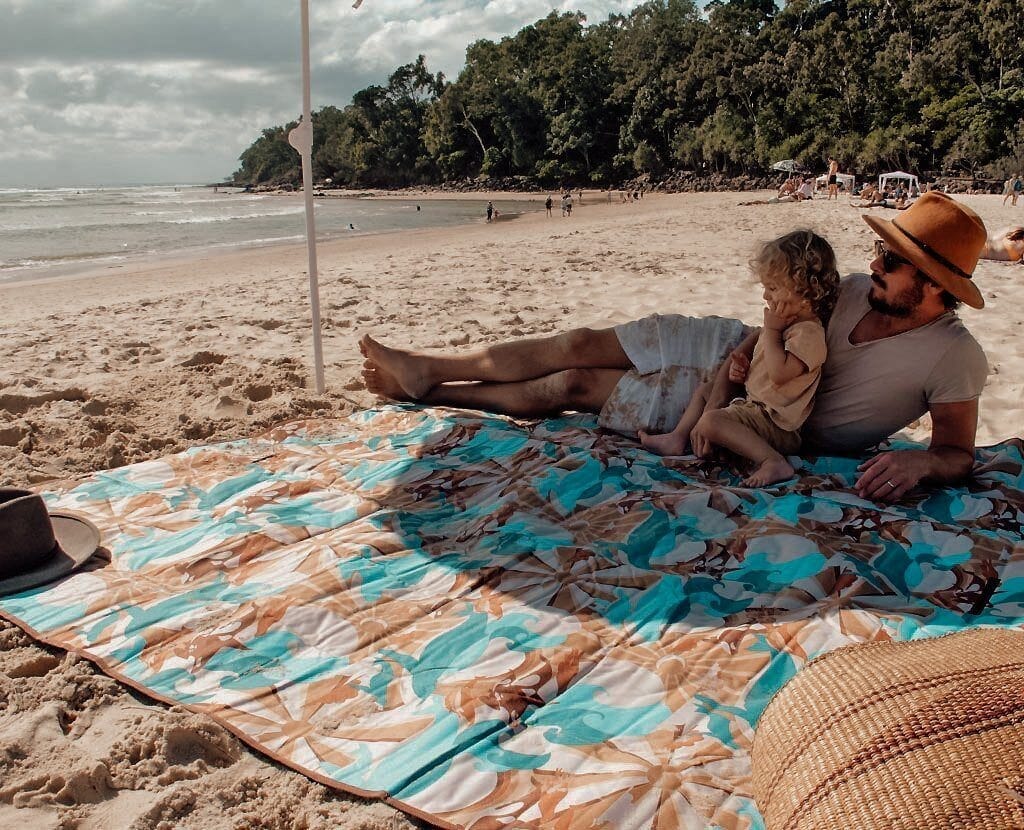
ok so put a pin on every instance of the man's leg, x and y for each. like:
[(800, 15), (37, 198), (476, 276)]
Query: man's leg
[(416, 373), (583, 390)]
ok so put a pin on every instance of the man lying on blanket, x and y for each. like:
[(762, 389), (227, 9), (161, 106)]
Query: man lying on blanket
[(896, 349)]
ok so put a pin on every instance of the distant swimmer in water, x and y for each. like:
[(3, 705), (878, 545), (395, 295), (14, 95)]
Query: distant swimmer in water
[(417, 207), (351, 227)]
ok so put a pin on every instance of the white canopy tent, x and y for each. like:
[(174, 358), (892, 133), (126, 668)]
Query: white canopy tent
[(898, 175), (847, 180)]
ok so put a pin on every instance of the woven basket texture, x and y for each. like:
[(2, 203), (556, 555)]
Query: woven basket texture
[(917, 735)]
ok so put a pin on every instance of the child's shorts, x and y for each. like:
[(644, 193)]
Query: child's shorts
[(755, 417), (671, 355)]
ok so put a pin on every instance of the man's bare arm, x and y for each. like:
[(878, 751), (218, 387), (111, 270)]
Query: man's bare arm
[(948, 459)]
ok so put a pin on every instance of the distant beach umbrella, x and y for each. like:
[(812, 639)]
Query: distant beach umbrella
[(301, 138), (787, 166)]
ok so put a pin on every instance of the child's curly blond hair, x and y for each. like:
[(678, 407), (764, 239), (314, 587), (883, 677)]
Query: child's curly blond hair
[(807, 263)]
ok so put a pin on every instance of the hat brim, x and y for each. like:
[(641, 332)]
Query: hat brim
[(77, 540), (963, 289)]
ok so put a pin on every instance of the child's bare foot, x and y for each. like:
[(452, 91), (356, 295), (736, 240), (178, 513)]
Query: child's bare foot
[(381, 383), (401, 367), (668, 443), (771, 471)]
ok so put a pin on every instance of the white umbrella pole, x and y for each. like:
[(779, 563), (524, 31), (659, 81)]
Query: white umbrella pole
[(301, 138)]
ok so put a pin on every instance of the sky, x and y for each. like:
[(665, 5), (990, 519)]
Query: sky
[(97, 92)]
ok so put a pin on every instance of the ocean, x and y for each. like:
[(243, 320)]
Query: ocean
[(67, 230)]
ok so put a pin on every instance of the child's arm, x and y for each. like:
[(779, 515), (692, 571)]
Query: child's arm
[(782, 366), (725, 387)]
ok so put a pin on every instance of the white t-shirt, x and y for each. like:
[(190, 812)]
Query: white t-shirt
[(870, 390)]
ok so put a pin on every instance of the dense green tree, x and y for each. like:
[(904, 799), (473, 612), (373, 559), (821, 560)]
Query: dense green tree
[(925, 85)]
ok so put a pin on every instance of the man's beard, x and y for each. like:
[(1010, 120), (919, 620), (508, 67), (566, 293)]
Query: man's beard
[(904, 304)]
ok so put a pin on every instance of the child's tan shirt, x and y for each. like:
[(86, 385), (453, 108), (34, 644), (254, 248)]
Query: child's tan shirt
[(790, 404)]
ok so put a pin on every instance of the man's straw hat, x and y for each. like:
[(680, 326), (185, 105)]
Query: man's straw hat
[(943, 238)]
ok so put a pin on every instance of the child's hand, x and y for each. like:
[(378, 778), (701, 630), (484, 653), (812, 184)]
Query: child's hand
[(780, 314), (739, 367)]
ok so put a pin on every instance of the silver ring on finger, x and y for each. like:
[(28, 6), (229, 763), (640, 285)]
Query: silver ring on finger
[(891, 483)]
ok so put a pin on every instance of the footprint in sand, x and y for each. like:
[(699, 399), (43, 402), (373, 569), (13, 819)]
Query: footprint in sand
[(228, 407), (204, 358), (257, 392)]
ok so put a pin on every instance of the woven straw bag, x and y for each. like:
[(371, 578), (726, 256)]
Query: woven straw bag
[(916, 735)]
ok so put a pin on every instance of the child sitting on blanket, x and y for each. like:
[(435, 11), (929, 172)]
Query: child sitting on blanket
[(801, 284)]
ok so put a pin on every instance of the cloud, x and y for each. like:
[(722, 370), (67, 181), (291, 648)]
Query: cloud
[(174, 90)]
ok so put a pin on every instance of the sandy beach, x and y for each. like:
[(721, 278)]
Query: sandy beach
[(135, 362)]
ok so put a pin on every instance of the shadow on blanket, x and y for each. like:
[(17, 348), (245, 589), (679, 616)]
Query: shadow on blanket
[(496, 622)]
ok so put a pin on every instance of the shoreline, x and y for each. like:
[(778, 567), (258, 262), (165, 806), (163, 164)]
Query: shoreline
[(233, 256), (89, 267)]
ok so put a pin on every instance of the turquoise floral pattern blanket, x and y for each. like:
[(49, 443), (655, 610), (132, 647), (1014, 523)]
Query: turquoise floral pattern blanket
[(495, 623)]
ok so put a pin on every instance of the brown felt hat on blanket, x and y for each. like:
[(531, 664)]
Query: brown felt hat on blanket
[(943, 238), (37, 546)]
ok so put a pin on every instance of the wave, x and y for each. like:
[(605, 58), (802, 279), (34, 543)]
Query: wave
[(269, 240), (108, 226), (63, 259), (203, 220)]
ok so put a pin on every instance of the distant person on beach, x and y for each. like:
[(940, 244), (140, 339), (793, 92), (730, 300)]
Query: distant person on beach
[(1018, 188), (833, 178), (490, 211), (547, 204), (870, 196), (788, 188), (1007, 190), (801, 284), (1006, 245), (568, 204), (899, 197), (896, 350)]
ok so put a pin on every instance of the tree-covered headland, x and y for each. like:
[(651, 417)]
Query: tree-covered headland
[(922, 85)]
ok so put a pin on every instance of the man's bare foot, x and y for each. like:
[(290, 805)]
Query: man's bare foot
[(771, 471), (381, 383), (401, 367), (668, 443)]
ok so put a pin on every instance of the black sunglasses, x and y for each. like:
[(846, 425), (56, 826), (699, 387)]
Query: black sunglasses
[(890, 259)]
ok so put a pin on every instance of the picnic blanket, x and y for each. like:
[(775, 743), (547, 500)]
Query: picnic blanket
[(497, 623)]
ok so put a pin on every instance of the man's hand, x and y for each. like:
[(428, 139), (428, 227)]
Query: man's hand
[(949, 459), (888, 476), (739, 367)]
